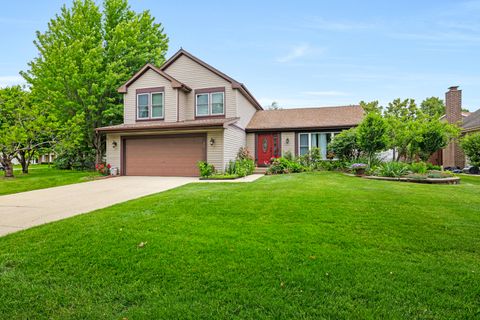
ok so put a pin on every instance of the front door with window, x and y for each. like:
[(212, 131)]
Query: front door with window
[(268, 147)]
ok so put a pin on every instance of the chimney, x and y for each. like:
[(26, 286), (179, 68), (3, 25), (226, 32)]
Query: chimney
[(453, 105), (452, 155)]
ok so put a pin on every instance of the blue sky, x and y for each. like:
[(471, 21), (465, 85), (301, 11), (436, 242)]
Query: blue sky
[(301, 53)]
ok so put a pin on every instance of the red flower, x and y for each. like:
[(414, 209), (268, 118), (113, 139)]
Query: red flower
[(109, 166), (96, 166)]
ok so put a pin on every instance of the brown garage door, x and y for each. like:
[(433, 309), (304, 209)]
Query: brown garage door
[(164, 156)]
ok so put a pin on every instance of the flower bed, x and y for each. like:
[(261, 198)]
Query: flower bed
[(449, 180)]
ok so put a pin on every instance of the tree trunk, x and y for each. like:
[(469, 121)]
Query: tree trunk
[(98, 148), (23, 161), (7, 165)]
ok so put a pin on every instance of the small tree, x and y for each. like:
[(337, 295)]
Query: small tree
[(345, 146), (372, 106), (471, 146), (431, 136), (372, 135)]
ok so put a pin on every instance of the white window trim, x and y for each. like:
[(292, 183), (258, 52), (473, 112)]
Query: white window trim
[(163, 105), (210, 113), (309, 135), (150, 106), (138, 106), (196, 105)]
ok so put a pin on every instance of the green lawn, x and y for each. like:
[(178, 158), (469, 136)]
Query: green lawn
[(40, 177), (312, 245)]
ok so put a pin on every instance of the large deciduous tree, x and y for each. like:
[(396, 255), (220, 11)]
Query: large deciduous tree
[(85, 54), (433, 106), (471, 146), (24, 128)]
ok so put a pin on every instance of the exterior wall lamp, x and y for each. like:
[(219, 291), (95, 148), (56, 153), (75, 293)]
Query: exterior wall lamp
[(114, 144), (212, 141), (287, 141)]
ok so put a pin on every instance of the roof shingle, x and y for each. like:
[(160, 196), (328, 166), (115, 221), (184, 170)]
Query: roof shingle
[(305, 118), (472, 121)]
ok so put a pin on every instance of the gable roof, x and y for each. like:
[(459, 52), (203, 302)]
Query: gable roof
[(149, 66), (235, 84), (306, 118), (472, 121)]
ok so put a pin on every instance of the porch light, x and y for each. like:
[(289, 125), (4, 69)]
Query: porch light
[(287, 141), (212, 141), (114, 144)]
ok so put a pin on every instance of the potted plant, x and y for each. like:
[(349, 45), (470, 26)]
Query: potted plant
[(358, 169)]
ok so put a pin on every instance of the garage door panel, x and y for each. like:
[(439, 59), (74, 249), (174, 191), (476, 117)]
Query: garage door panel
[(164, 156)]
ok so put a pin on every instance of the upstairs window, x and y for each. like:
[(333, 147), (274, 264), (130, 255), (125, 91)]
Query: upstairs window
[(143, 110), (202, 104), (210, 104), (150, 103), (157, 105)]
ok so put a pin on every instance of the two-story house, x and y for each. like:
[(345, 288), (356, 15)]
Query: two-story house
[(187, 111)]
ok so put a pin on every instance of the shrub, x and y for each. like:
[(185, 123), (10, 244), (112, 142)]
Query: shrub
[(244, 164), (418, 167), (103, 169), (288, 155), (244, 154), (433, 167), (331, 165), (471, 146), (392, 169), (283, 165), (311, 159), (206, 169), (344, 146)]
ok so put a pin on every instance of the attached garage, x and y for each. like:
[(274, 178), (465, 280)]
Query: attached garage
[(163, 155)]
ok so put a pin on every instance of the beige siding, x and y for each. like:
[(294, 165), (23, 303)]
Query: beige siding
[(215, 151), (251, 143), (182, 105), (234, 139), (150, 79), (196, 76), (113, 154), (245, 110), (290, 146)]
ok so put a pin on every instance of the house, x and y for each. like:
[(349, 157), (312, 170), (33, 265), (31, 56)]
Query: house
[(187, 111), (452, 156)]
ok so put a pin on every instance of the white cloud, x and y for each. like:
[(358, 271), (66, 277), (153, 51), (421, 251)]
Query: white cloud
[(295, 53), (325, 93), (6, 81)]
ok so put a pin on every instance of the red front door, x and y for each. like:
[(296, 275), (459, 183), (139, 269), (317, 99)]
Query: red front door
[(268, 147)]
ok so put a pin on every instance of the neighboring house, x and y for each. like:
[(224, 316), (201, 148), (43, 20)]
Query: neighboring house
[(452, 156), (187, 111)]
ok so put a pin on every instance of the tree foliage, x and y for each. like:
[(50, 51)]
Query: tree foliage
[(24, 128), (372, 134), (85, 54), (433, 106), (432, 135), (470, 144), (345, 146)]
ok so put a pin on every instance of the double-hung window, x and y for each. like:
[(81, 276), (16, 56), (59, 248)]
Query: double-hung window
[(150, 104), (209, 103)]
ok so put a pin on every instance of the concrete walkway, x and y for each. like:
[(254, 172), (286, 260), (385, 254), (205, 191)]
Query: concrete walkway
[(27, 209)]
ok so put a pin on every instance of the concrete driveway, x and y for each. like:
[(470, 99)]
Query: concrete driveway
[(27, 209)]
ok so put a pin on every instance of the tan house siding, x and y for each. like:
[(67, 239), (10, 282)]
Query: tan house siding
[(196, 76), (245, 109), (251, 143), (113, 154), (150, 79), (290, 146), (234, 139), (215, 151), (182, 105)]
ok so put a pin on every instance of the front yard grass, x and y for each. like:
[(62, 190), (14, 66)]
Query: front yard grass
[(311, 245), (40, 177)]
